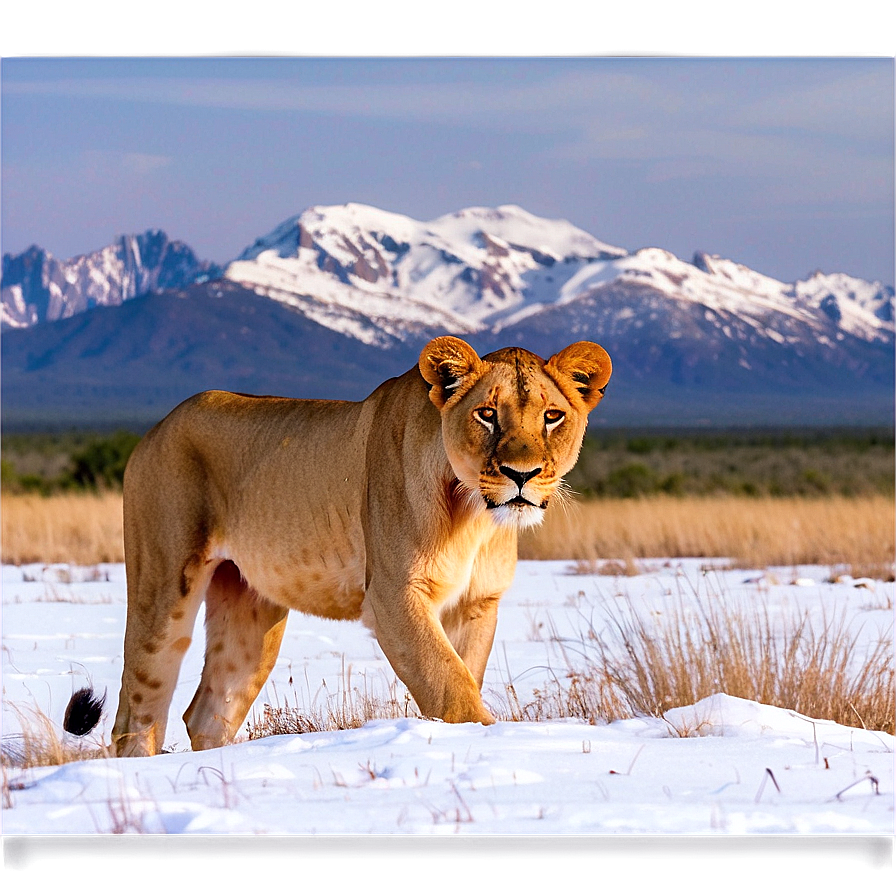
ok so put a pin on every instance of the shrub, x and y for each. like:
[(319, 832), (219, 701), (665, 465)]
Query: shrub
[(847, 462), (101, 463), (631, 481)]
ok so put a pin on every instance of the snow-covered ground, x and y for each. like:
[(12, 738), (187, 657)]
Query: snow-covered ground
[(745, 768)]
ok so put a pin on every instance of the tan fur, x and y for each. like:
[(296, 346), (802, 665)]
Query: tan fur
[(393, 510)]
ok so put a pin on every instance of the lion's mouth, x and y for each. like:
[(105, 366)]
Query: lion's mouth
[(517, 513), (518, 501)]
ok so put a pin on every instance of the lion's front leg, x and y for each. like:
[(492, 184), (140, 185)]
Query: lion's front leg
[(416, 645), (470, 622), (470, 626)]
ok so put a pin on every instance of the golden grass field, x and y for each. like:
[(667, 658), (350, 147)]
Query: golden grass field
[(72, 527), (85, 528), (751, 531)]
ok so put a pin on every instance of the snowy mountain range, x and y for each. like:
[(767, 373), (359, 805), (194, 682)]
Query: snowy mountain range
[(706, 339), (37, 287), (378, 276)]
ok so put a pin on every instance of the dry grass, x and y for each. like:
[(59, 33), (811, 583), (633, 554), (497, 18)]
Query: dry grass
[(666, 661), (652, 663), (353, 707), (634, 664), (683, 655), (43, 743), (79, 528), (753, 532)]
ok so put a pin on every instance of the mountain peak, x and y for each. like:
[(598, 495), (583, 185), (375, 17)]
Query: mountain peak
[(843, 297), (704, 261), (37, 287), (351, 280), (385, 271)]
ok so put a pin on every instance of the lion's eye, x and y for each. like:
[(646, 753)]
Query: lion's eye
[(487, 416), (553, 417)]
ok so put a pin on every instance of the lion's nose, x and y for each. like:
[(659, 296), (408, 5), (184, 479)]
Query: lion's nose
[(519, 477)]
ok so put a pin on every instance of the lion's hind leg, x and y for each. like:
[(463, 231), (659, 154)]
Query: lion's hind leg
[(243, 635), (159, 631)]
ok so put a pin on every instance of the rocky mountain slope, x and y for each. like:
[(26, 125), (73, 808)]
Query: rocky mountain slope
[(37, 287), (693, 342)]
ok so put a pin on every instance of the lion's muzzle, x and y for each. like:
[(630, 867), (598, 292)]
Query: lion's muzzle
[(519, 505)]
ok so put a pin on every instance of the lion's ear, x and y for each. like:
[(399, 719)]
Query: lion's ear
[(445, 364), (587, 365)]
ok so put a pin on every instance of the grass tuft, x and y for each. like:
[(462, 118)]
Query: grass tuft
[(352, 707), (41, 743), (648, 664)]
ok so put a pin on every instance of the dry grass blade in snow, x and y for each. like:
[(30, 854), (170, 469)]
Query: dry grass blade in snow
[(41, 743), (351, 707)]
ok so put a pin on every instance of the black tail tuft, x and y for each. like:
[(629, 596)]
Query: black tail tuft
[(83, 712)]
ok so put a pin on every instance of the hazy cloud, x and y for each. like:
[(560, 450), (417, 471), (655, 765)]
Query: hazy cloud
[(103, 163), (676, 117), (571, 93), (144, 163), (858, 105)]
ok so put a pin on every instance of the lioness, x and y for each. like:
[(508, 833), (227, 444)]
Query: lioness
[(401, 510)]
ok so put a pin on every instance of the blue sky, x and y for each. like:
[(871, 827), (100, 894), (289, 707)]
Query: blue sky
[(786, 165)]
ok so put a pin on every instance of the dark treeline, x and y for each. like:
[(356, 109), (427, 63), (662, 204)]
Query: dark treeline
[(613, 463), (47, 463), (745, 462)]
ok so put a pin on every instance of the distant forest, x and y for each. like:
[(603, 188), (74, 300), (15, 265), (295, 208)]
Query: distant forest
[(618, 463)]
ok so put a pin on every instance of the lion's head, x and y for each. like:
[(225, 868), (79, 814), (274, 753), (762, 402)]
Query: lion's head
[(512, 423)]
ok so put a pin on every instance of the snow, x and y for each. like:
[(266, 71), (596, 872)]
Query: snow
[(726, 286), (362, 314), (722, 765), (865, 309), (515, 225), (14, 313), (109, 276)]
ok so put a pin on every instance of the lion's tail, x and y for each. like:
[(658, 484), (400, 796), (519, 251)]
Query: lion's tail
[(83, 712)]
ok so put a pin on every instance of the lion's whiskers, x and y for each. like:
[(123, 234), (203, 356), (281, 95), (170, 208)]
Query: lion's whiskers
[(565, 497), (471, 499)]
